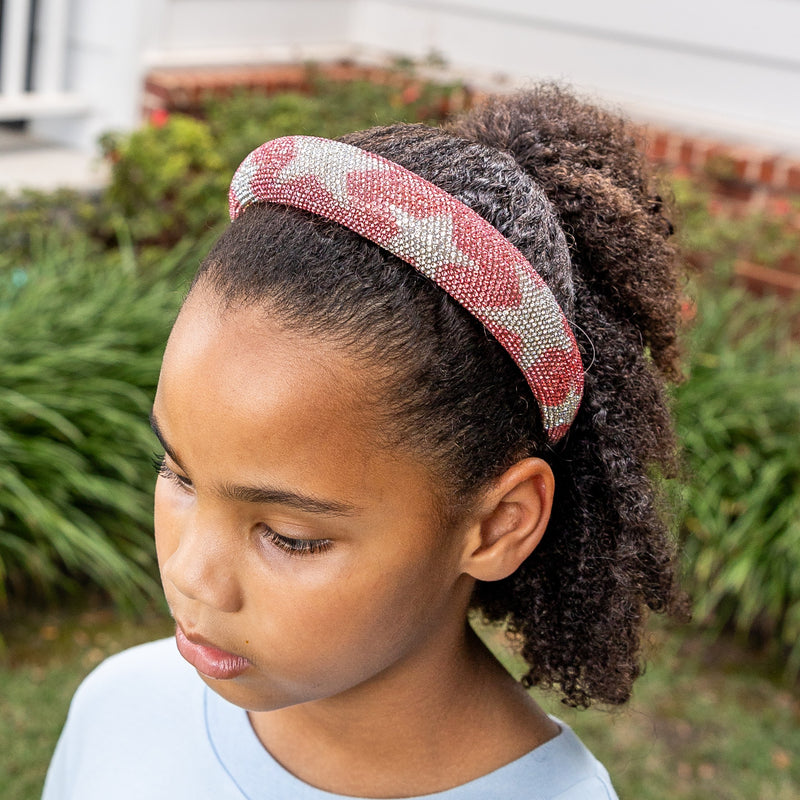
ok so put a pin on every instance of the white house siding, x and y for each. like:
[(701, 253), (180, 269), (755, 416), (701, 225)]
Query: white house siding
[(727, 67), (215, 32), (730, 68), (101, 67), (112, 43)]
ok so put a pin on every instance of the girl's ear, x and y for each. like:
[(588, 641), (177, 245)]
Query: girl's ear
[(509, 521)]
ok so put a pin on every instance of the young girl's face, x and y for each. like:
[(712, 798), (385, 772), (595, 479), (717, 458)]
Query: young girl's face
[(299, 557)]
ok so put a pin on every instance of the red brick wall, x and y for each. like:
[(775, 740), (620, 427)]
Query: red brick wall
[(748, 173)]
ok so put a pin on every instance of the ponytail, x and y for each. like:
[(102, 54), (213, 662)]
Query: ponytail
[(607, 553)]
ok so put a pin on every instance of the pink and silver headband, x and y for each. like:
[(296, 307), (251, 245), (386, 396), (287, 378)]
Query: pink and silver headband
[(439, 236)]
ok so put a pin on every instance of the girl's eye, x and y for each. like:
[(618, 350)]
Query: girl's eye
[(163, 471), (295, 547), (285, 543)]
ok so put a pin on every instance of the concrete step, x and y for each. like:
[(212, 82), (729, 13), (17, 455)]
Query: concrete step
[(26, 163)]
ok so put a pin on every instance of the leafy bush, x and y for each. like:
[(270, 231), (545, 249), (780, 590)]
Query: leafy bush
[(81, 338), (714, 237), (245, 120), (170, 180), (83, 323), (166, 180), (63, 217), (738, 417)]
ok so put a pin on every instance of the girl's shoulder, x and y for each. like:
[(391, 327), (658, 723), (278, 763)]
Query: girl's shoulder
[(564, 769), (561, 769), (137, 717)]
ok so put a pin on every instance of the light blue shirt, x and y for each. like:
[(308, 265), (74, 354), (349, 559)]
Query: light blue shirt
[(143, 726)]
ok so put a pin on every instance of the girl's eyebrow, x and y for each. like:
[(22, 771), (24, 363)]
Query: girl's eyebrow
[(265, 494), (301, 502)]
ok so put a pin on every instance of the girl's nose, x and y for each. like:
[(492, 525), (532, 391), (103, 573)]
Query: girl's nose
[(205, 568)]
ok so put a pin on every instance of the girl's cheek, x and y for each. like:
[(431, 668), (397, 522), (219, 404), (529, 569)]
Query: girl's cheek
[(167, 520)]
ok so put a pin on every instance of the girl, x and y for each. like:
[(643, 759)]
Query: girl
[(385, 404)]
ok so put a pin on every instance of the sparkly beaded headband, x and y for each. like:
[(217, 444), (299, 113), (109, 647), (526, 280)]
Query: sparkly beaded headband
[(439, 236)]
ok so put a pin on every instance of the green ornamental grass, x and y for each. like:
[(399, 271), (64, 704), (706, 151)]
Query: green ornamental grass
[(738, 417), (81, 337)]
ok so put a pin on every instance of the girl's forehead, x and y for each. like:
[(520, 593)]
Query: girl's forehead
[(246, 349), (239, 391)]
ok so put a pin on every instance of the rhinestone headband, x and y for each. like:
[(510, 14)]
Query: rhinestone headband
[(439, 236)]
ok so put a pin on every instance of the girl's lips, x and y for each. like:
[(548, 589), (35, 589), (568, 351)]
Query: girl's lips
[(208, 660)]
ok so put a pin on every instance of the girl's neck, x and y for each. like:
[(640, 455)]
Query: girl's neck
[(437, 721)]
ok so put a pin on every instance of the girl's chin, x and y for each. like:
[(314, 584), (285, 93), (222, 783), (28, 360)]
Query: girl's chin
[(250, 693)]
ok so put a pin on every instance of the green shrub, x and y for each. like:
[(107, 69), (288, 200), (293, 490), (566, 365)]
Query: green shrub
[(171, 180), (738, 417), (167, 181), (714, 239), (81, 338), (82, 327), (63, 217), (245, 120)]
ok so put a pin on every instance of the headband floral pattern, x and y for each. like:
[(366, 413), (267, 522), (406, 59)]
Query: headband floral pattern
[(439, 236)]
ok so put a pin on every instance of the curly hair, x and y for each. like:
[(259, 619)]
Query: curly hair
[(550, 172)]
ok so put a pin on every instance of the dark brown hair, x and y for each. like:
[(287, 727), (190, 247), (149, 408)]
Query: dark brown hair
[(538, 166)]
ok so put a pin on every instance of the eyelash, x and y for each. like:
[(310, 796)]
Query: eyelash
[(294, 547), (163, 471)]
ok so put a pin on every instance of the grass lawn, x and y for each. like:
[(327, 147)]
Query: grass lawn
[(706, 720), (45, 659)]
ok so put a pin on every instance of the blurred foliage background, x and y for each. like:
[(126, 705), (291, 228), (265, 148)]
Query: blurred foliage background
[(89, 287)]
